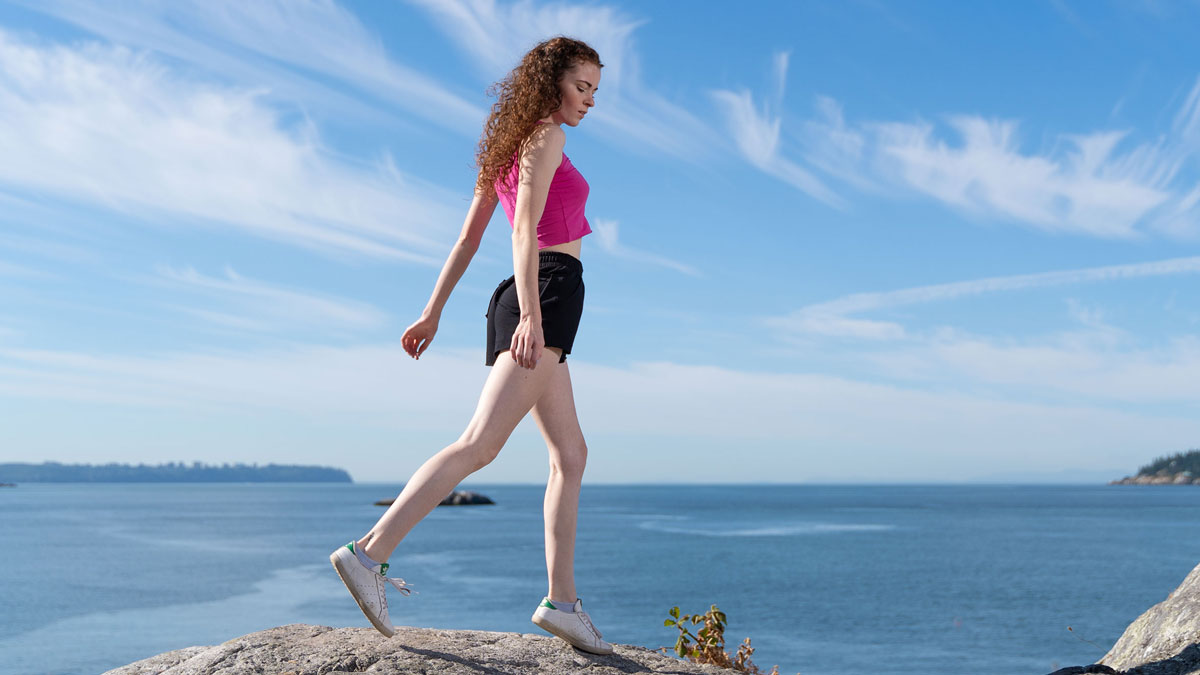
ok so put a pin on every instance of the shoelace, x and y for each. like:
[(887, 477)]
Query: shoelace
[(588, 621), (400, 585), (397, 582)]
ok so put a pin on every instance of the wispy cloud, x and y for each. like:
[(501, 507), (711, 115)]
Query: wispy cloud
[(632, 113), (1182, 217), (607, 235), (254, 304), (377, 381), (1089, 190), (111, 128), (8, 269), (1085, 183), (757, 135), (675, 408), (832, 318), (836, 148), (27, 245), (290, 46), (1095, 364)]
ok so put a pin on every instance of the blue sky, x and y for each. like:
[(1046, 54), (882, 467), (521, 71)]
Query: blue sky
[(834, 241)]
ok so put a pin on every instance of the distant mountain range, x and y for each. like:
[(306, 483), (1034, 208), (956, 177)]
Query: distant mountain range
[(173, 472)]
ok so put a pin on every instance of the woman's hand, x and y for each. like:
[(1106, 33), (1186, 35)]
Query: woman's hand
[(527, 343), (417, 337)]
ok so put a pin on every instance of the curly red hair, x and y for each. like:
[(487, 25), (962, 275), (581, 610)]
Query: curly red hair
[(527, 94)]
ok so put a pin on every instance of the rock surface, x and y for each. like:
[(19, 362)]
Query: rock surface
[(1165, 640), (302, 649)]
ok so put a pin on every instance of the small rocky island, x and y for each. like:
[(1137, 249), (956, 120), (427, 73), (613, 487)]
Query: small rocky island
[(456, 498), (171, 472), (1179, 469)]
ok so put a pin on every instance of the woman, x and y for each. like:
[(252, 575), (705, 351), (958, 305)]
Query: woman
[(532, 315)]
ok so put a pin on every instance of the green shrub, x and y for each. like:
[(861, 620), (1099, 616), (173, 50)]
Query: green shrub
[(708, 644)]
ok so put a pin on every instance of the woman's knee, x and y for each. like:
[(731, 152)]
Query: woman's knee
[(478, 452), (569, 461)]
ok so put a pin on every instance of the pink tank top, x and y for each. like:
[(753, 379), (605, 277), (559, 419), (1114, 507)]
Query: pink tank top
[(563, 218)]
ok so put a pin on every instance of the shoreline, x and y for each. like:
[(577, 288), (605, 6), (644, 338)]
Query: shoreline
[(1160, 478)]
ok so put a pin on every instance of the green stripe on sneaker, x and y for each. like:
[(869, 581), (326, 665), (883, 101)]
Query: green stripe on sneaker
[(546, 603), (383, 569), (351, 547)]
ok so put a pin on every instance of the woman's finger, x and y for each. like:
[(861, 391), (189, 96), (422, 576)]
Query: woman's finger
[(522, 353)]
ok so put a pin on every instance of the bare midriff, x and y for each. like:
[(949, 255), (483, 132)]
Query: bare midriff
[(571, 248)]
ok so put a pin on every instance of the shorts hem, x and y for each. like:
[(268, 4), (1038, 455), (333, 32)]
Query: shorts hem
[(491, 361)]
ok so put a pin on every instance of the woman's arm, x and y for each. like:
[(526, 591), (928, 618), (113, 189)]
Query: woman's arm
[(539, 162), (418, 336)]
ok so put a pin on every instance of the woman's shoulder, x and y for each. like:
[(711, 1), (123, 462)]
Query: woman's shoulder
[(547, 136), (548, 140)]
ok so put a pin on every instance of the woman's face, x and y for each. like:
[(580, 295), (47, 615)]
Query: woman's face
[(578, 85)]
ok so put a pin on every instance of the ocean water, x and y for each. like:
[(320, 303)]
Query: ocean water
[(825, 580)]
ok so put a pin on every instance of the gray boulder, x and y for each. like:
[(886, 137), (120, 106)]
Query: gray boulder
[(301, 649), (1165, 640)]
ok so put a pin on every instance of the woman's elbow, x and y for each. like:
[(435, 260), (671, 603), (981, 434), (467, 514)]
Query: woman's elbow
[(468, 244), (524, 234)]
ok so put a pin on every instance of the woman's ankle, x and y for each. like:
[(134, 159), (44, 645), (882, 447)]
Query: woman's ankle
[(370, 548)]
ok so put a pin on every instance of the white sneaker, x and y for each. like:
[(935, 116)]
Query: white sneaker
[(367, 586), (574, 627)]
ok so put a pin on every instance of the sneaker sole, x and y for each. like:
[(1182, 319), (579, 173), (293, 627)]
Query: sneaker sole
[(344, 576), (551, 628)]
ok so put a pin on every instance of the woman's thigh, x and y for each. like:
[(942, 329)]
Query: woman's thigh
[(555, 413), (508, 394)]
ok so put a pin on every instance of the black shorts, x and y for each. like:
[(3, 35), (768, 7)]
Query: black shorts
[(560, 290)]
